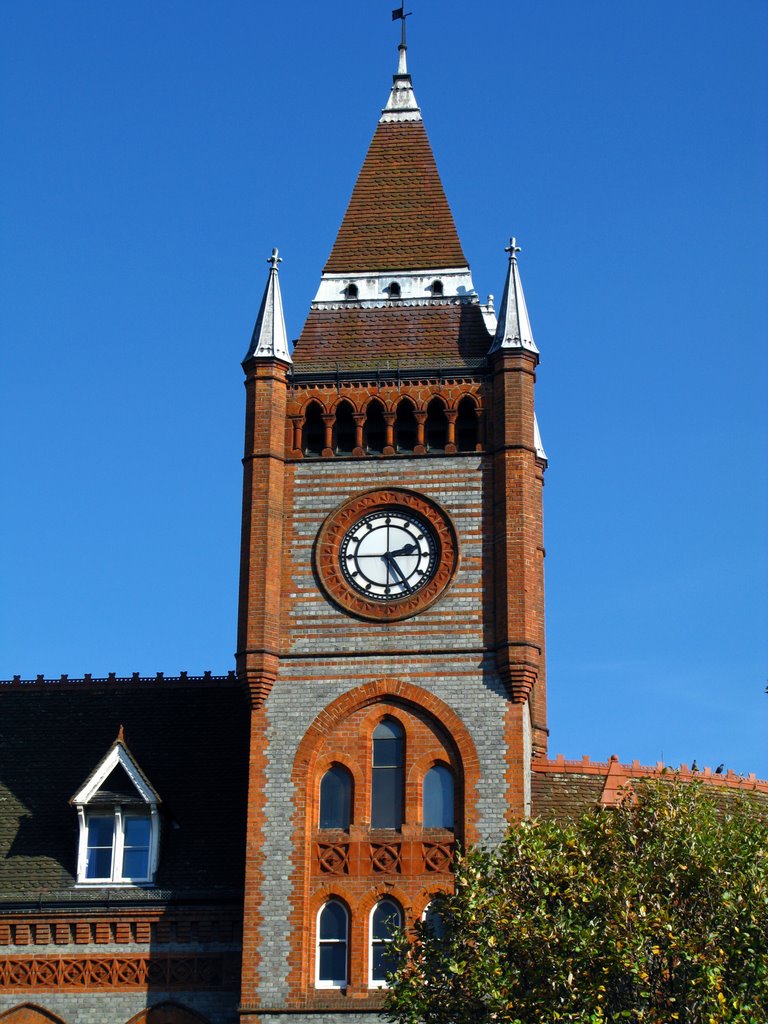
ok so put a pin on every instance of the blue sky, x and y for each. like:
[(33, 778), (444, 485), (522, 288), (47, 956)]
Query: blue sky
[(153, 155)]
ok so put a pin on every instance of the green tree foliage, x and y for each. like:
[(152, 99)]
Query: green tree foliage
[(653, 912)]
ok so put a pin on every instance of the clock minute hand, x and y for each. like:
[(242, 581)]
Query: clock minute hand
[(392, 564)]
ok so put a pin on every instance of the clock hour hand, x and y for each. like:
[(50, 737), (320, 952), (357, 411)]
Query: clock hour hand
[(407, 549), (394, 568)]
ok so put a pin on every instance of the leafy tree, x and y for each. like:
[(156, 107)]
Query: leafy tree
[(654, 912)]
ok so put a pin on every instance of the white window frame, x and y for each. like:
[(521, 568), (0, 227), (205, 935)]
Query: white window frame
[(120, 816), (117, 755), (336, 983), (384, 942)]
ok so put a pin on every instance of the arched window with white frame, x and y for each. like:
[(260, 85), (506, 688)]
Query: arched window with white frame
[(386, 919), (388, 774), (332, 942)]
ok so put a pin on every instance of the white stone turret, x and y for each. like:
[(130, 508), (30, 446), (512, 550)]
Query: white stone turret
[(270, 340), (401, 105), (513, 330)]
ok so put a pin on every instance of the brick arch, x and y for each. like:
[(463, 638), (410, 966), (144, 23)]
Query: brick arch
[(168, 1013), (28, 1013), (404, 694)]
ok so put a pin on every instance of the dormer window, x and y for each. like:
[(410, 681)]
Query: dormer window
[(436, 288), (393, 290), (117, 809), (351, 291)]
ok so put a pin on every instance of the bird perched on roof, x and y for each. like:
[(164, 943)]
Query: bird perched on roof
[(719, 769)]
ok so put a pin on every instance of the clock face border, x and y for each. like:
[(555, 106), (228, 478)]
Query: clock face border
[(338, 524)]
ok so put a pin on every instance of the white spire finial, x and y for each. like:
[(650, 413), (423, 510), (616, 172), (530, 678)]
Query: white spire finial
[(513, 249), (270, 340), (513, 330), (401, 105)]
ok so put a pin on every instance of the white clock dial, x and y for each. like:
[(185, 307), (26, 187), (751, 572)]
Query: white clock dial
[(388, 554)]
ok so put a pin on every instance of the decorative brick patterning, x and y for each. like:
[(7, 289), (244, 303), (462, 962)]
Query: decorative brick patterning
[(451, 335), (97, 972), (398, 217)]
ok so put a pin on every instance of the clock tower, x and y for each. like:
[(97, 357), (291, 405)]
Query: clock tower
[(391, 622)]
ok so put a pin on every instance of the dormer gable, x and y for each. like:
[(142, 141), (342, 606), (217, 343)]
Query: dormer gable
[(116, 778), (117, 810)]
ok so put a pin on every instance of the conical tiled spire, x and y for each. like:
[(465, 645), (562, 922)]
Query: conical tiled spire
[(270, 340), (398, 217), (513, 330)]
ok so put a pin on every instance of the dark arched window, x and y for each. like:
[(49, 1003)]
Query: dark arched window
[(437, 426), (336, 798), (394, 290), (405, 427), (433, 922), (351, 291), (386, 919), (344, 429), (332, 938), (438, 797), (313, 434), (387, 781), (437, 287), (375, 428), (466, 426)]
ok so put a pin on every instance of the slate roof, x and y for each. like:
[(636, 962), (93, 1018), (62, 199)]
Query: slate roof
[(191, 740), (398, 217), (435, 335)]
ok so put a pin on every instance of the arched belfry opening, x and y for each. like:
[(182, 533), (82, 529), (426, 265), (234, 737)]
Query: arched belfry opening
[(467, 426), (437, 426), (406, 427), (375, 431), (313, 433), (344, 429)]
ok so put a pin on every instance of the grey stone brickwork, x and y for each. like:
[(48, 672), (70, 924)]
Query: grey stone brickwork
[(451, 663), (119, 1007)]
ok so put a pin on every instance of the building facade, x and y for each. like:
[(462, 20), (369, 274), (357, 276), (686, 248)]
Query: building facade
[(214, 849)]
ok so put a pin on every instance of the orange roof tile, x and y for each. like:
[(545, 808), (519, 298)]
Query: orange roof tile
[(398, 217), (439, 335)]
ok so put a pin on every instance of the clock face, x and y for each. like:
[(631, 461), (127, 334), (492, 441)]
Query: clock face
[(389, 554)]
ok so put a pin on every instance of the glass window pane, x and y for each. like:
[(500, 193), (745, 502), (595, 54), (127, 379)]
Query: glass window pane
[(433, 921), (380, 965), (388, 744), (387, 798), (99, 862), (333, 921), (333, 962), (136, 863), (101, 830), (336, 798), (137, 831), (386, 920), (438, 797)]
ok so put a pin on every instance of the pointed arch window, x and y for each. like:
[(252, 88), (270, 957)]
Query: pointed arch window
[(313, 433), (437, 426), (467, 425), (387, 780), (405, 427), (375, 433), (437, 806), (336, 798), (386, 919), (332, 941), (344, 429)]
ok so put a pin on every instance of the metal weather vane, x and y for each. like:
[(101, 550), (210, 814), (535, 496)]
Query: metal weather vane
[(399, 14)]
